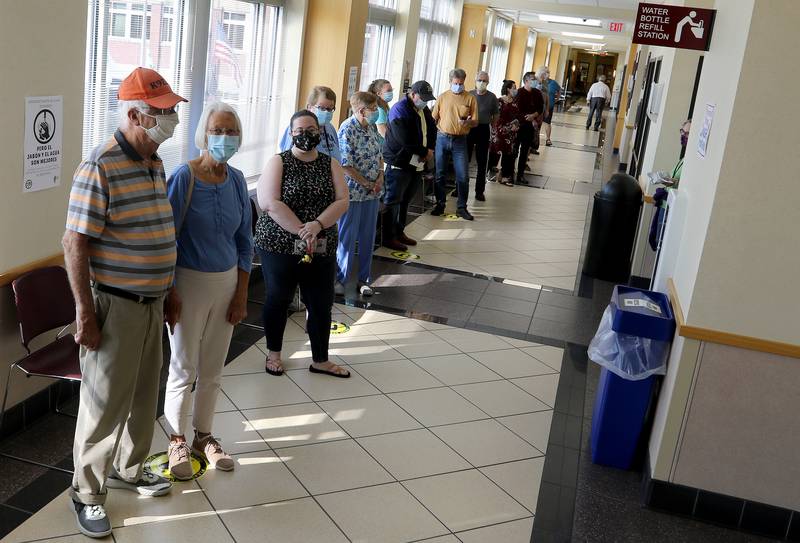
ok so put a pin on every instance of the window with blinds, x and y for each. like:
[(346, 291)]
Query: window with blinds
[(498, 60), (243, 68), (378, 42), (123, 36), (529, 49), (433, 43), (240, 48)]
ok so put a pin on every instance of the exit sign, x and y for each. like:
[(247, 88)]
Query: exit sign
[(616, 27)]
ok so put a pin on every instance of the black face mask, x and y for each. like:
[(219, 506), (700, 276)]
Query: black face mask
[(306, 141)]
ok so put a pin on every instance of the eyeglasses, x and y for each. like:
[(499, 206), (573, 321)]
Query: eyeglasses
[(307, 131), (331, 109), (482, 80), (224, 131), (152, 111)]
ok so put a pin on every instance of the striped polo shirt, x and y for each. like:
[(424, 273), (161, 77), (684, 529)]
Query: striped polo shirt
[(122, 205)]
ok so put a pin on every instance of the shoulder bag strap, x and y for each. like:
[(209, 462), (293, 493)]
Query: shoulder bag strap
[(186, 202)]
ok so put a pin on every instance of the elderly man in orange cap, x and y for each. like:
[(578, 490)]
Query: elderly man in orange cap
[(119, 250)]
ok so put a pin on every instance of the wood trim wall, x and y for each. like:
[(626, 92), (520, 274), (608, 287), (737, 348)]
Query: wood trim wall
[(9, 275), (726, 338)]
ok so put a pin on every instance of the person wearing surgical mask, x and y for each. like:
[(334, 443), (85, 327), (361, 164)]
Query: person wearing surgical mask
[(363, 170), (384, 91), (215, 251), (478, 138), (455, 113), (322, 103), (119, 251)]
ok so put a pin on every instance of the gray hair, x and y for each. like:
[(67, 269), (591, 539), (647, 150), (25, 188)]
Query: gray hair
[(457, 73), (480, 73), (541, 70), (124, 106), (602, 78), (200, 137)]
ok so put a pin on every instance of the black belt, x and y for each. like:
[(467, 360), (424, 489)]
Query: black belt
[(125, 294)]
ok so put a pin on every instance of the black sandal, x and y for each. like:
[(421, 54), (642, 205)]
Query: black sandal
[(312, 369), (276, 373)]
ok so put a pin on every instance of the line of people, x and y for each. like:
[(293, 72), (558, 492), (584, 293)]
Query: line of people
[(142, 250)]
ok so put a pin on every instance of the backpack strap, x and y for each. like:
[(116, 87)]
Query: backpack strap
[(187, 201)]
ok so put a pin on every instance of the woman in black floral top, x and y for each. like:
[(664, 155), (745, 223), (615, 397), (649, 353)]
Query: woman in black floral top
[(303, 194)]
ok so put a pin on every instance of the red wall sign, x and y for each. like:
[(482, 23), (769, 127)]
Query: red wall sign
[(681, 27), (616, 27)]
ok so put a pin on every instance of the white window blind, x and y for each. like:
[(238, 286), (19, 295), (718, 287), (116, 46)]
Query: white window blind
[(498, 61), (123, 36), (433, 43), (378, 42), (243, 69), (529, 47)]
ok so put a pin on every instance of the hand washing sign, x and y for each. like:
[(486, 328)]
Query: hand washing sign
[(681, 27), (42, 153)]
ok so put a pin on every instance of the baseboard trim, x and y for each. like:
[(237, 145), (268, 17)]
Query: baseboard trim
[(720, 509)]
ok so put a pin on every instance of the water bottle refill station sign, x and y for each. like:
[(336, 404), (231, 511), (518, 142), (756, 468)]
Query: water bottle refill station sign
[(681, 27)]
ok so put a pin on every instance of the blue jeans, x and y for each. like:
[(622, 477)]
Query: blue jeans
[(456, 147), (358, 224), (401, 186)]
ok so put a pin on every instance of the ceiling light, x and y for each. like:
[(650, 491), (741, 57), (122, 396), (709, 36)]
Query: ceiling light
[(589, 43), (570, 20), (582, 35)]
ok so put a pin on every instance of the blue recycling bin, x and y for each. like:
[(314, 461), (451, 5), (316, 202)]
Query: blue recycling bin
[(632, 346)]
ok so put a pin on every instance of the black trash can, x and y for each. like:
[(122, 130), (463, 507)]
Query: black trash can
[(612, 233)]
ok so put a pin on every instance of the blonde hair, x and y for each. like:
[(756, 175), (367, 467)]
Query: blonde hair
[(362, 99), (321, 91)]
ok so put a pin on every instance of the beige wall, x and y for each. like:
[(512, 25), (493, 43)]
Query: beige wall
[(53, 64), (742, 433), (32, 224), (539, 54), (726, 417), (334, 41), (516, 52), (555, 51), (470, 38)]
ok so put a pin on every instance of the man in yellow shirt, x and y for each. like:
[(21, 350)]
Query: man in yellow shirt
[(455, 113)]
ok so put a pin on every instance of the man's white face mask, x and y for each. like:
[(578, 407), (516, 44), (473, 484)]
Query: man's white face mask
[(164, 128)]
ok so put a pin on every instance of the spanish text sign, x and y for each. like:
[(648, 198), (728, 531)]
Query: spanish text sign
[(42, 153), (681, 27)]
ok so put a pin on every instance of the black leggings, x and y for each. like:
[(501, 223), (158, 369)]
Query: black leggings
[(282, 274)]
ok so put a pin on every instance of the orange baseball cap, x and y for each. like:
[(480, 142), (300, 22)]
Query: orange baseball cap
[(148, 85)]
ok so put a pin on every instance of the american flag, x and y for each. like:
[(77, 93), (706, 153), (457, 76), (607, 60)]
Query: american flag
[(224, 53)]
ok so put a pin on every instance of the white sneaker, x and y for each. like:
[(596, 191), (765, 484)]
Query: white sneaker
[(365, 290), (149, 484)]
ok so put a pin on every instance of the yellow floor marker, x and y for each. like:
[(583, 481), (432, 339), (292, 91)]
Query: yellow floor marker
[(402, 255), (159, 464)]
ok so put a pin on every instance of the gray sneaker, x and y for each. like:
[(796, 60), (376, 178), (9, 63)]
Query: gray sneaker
[(149, 484), (92, 519), (338, 288)]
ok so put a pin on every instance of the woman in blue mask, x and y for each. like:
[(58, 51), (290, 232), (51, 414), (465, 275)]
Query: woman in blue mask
[(215, 250), (383, 90), (322, 103), (362, 163)]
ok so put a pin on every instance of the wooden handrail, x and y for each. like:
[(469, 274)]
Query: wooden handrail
[(9, 275), (726, 338)]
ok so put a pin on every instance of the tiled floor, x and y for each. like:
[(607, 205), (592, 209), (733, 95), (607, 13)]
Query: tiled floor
[(439, 433), (519, 234)]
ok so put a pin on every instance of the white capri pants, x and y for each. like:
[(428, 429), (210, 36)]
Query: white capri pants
[(199, 348)]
